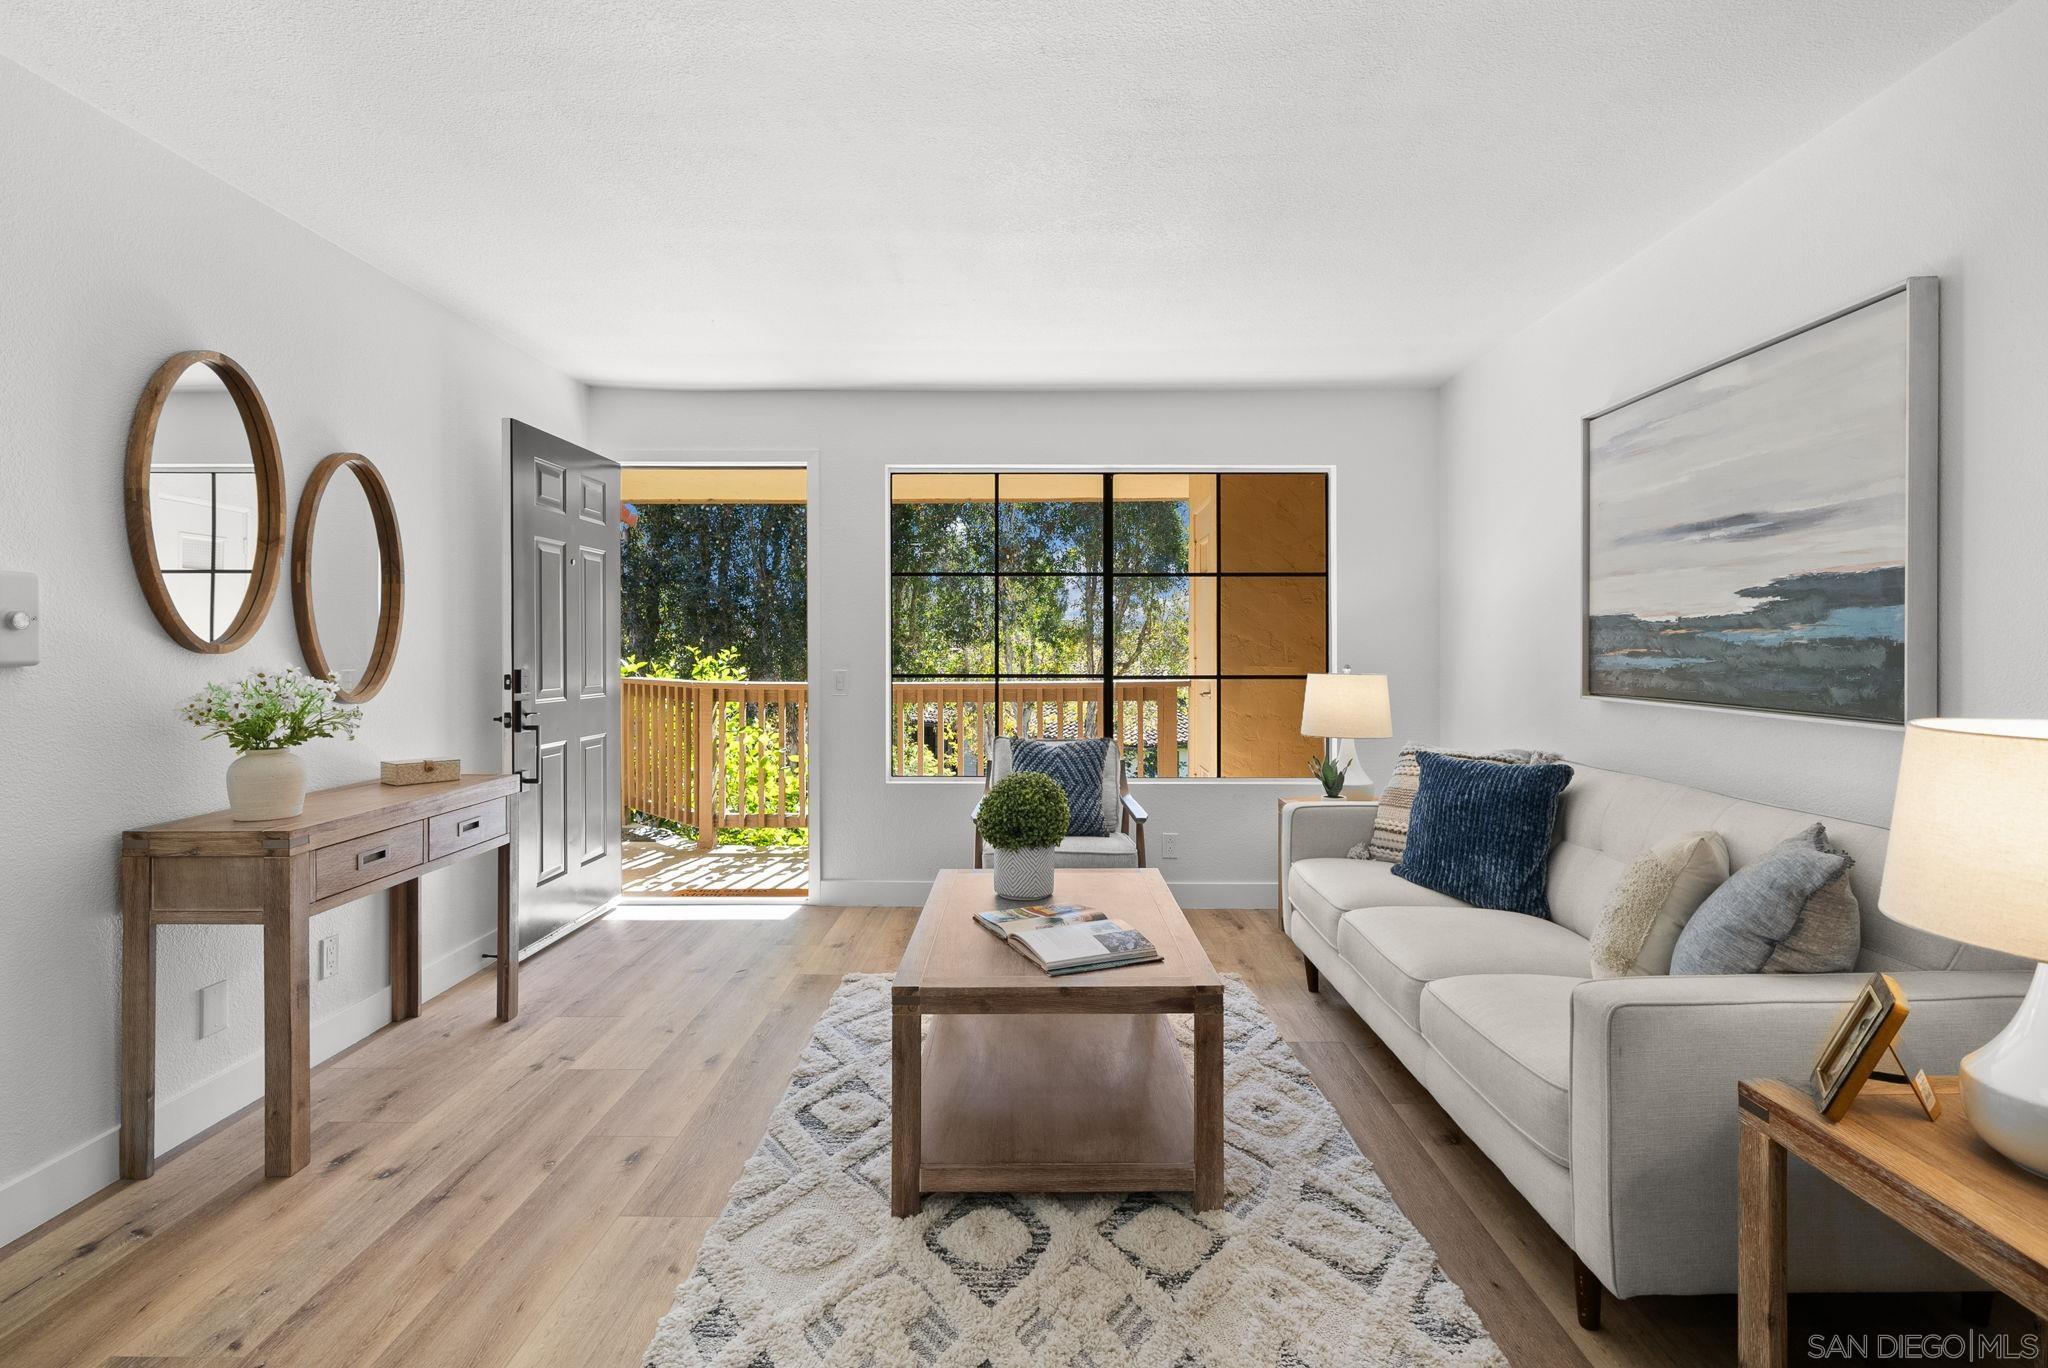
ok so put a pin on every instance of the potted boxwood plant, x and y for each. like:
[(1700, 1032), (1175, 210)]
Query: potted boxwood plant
[(1023, 816)]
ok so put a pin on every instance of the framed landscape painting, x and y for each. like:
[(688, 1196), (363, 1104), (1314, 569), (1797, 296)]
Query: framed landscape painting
[(1760, 534)]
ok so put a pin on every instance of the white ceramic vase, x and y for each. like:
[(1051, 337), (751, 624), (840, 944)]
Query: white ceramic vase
[(1024, 875), (264, 784), (2005, 1084)]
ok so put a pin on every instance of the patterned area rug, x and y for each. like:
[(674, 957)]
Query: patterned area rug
[(1308, 1263)]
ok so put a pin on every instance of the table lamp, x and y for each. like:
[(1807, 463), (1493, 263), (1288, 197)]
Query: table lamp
[(1969, 860), (1342, 707)]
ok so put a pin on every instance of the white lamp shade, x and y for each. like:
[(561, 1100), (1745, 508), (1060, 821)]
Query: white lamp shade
[(1346, 705), (1969, 846)]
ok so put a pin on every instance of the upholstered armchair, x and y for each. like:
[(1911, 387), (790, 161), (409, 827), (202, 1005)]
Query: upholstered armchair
[(1123, 848)]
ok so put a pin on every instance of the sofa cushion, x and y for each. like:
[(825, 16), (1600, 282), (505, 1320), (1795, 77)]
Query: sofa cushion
[(1324, 890), (1399, 951), (1510, 1039), (1509, 1036)]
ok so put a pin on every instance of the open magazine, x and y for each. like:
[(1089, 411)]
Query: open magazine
[(1069, 939)]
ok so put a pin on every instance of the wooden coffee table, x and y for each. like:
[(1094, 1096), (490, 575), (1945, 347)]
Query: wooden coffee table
[(1090, 1094)]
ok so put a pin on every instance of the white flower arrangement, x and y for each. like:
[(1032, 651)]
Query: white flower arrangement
[(272, 710)]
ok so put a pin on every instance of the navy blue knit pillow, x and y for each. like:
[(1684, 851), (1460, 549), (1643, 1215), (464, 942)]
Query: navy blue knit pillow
[(1480, 832)]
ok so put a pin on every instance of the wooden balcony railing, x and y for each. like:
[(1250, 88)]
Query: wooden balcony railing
[(716, 755), (711, 755), (946, 729)]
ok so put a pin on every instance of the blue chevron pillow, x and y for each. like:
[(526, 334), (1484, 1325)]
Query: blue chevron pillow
[(1080, 767), (1481, 832)]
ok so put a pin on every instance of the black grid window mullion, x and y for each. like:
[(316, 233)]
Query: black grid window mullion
[(1108, 572)]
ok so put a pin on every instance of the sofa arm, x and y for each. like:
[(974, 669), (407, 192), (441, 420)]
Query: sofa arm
[(1323, 828), (1654, 1063)]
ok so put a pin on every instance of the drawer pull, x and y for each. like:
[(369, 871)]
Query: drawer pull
[(370, 857), (464, 828)]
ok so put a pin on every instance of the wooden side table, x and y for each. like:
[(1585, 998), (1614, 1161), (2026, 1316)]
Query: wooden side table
[(1937, 1179), (349, 842)]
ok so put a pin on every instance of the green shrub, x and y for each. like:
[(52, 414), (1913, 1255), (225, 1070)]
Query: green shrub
[(1024, 811)]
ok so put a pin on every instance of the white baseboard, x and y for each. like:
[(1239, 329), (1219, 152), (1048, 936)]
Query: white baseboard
[(58, 1184), (912, 892)]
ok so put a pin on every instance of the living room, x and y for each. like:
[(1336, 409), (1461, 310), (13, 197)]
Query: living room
[(1604, 433)]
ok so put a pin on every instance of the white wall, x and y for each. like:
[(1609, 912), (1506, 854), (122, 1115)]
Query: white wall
[(1943, 174), (880, 841), (118, 254)]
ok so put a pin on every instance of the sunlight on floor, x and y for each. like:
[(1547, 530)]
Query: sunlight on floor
[(652, 869)]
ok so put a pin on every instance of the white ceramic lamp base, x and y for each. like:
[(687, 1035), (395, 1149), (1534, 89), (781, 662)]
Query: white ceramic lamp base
[(2005, 1084), (1347, 760)]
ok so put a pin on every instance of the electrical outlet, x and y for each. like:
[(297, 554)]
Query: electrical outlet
[(330, 955), (213, 1009), (1169, 845), (839, 680)]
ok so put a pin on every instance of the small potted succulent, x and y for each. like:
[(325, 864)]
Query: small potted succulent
[(1023, 816), (263, 715), (1329, 773)]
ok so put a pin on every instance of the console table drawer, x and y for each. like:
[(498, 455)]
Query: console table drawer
[(338, 868), (465, 827)]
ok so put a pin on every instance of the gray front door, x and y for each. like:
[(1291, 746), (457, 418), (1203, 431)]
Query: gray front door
[(565, 681)]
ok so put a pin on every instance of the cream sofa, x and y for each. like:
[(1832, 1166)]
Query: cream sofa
[(1610, 1104)]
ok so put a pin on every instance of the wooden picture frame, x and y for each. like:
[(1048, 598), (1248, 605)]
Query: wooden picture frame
[(1860, 1037), (390, 573)]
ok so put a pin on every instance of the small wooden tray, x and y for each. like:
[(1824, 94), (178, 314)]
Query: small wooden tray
[(421, 771)]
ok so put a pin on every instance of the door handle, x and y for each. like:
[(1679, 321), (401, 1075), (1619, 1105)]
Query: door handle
[(515, 722)]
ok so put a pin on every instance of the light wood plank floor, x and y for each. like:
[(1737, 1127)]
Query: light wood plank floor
[(531, 1194)]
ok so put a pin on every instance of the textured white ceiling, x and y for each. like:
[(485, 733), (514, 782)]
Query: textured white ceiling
[(760, 192)]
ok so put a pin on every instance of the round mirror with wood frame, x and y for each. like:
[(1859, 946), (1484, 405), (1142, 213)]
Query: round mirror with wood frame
[(193, 495), (383, 651)]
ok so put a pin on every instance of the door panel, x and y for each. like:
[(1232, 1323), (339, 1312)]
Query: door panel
[(565, 613), (598, 792), (552, 790), (600, 664)]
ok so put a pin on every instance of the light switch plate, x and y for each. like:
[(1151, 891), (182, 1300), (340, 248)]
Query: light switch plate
[(839, 680), (21, 627), (213, 1009)]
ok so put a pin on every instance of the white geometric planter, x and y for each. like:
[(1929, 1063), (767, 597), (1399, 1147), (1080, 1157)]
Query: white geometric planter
[(1024, 875)]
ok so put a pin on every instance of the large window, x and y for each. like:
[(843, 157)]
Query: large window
[(1179, 613)]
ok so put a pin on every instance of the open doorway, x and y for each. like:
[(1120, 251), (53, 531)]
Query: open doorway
[(714, 666)]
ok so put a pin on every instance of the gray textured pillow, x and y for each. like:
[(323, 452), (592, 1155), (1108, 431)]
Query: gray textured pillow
[(1791, 912)]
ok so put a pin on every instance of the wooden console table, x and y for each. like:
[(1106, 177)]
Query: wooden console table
[(1937, 1179), (349, 843)]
